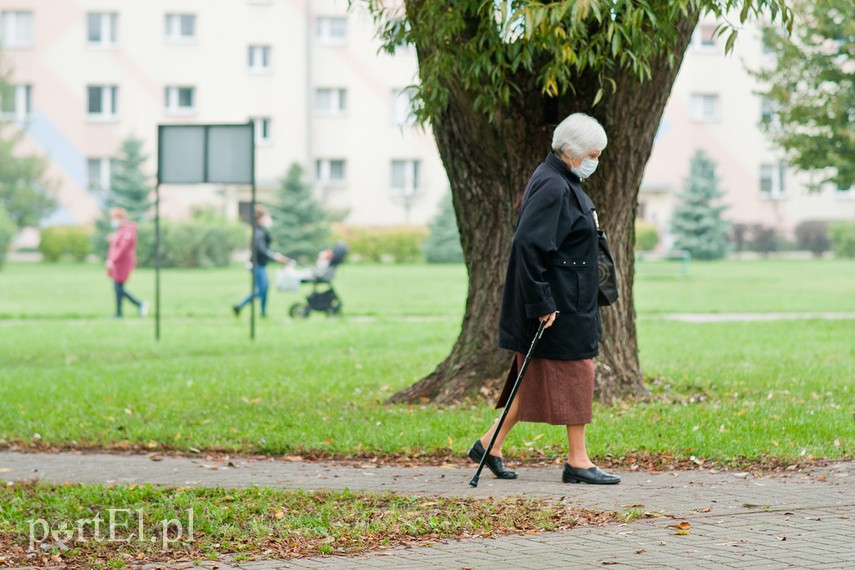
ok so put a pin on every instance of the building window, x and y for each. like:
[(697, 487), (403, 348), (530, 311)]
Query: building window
[(772, 177), (180, 100), (704, 36), (102, 101), (703, 108), (329, 172), (16, 29), (102, 28), (402, 107), (98, 175), (331, 101), (261, 127), (405, 178), (180, 27), (16, 102), (331, 31), (259, 59)]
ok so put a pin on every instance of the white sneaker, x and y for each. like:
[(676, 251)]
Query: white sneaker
[(143, 309)]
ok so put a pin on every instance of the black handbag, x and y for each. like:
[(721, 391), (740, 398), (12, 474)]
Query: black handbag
[(608, 293)]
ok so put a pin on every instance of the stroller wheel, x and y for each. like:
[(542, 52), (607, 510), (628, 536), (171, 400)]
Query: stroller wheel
[(299, 310), (334, 309)]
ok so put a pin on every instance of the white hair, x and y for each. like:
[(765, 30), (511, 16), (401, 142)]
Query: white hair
[(577, 135)]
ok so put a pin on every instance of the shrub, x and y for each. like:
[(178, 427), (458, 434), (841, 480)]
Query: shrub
[(59, 242), (191, 244), (646, 236), (443, 243), (400, 244), (843, 238), (813, 236), (7, 232), (765, 239)]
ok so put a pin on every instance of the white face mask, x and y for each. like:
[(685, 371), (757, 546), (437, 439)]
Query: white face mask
[(114, 224), (587, 168)]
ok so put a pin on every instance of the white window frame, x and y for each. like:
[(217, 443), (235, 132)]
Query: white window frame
[(261, 131), (699, 35), (258, 58), (411, 181), (704, 107), (109, 95), (172, 100), (173, 29), (402, 107), (324, 169), (22, 103), (776, 174), (331, 30), (17, 28), (337, 99), (107, 27), (99, 184)]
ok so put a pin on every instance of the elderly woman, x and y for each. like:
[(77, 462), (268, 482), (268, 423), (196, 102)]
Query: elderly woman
[(552, 276)]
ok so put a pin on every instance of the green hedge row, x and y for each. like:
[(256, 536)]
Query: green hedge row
[(64, 242), (401, 244), (192, 244)]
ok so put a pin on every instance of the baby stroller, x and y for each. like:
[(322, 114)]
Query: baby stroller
[(323, 297)]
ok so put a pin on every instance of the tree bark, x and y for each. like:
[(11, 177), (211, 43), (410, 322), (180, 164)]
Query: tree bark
[(488, 165)]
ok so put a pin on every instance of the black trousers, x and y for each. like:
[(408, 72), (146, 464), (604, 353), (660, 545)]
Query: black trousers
[(122, 294)]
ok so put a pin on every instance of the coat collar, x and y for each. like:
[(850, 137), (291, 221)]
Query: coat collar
[(558, 165)]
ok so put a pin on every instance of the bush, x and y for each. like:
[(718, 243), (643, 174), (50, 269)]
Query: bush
[(60, 242), (843, 238), (646, 236), (7, 233), (400, 244), (765, 239), (443, 243), (813, 236), (191, 244)]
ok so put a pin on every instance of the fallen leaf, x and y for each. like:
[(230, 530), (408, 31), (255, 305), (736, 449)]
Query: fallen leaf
[(682, 525), (822, 478), (5, 469), (706, 510), (781, 537), (640, 551), (682, 532)]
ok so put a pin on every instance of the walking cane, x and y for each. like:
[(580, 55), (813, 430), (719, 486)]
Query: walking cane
[(538, 334)]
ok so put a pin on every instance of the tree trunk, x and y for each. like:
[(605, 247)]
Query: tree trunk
[(488, 165)]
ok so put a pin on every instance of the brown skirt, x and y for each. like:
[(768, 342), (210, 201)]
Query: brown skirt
[(558, 392)]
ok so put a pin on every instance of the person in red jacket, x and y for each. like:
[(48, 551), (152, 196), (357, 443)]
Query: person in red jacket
[(122, 258)]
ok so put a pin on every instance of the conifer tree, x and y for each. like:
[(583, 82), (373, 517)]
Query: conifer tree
[(697, 221), (301, 226), (130, 188), (443, 243)]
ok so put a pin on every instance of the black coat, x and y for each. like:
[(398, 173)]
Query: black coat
[(553, 266), (261, 252)]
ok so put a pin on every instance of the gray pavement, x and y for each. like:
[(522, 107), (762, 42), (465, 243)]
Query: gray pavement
[(794, 519)]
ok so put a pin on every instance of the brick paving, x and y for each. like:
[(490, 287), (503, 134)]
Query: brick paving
[(738, 520)]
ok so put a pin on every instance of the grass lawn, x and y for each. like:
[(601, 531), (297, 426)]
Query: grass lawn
[(731, 393), (728, 392)]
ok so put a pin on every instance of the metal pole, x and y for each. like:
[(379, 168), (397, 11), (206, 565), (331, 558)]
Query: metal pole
[(157, 259), (254, 228)]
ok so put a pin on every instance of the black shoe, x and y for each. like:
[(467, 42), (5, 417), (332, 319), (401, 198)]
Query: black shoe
[(593, 475), (236, 309), (496, 465)]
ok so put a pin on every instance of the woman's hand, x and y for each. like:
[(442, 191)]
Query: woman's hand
[(549, 319)]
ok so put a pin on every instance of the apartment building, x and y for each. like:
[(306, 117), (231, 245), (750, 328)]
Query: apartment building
[(307, 73), (715, 106)]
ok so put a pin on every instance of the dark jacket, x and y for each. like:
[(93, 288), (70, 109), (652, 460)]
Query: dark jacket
[(261, 252), (553, 266)]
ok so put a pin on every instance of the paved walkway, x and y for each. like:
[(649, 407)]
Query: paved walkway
[(738, 520)]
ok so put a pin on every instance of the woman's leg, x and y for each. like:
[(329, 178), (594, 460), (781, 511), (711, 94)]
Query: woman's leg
[(577, 455), (510, 421), (246, 300), (119, 290), (263, 286)]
